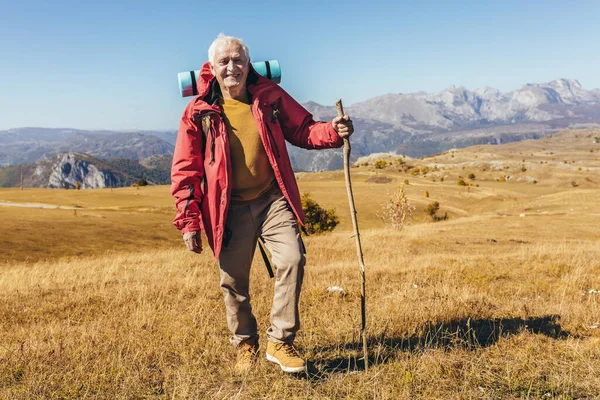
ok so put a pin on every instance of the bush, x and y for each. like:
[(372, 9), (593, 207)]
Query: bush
[(406, 182), (142, 182), (398, 210), (78, 185), (461, 182), (426, 193), (432, 210), (425, 170), (415, 171), (523, 169), (380, 164), (471, 176), (317, 219)]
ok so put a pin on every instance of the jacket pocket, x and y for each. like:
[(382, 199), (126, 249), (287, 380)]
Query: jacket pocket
[(207, 126)]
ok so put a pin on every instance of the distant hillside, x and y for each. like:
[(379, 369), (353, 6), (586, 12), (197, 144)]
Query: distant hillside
[(26, 145), (67, 169)]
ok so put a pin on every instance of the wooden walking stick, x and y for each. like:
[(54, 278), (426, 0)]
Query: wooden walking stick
[(361, 263)]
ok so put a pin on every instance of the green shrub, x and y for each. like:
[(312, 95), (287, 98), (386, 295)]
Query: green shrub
[(317, 219), (471, 176), (461, 182), (432, 210), (380, 164), (142, 182)]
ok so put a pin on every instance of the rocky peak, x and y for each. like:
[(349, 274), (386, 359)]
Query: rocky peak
[(67, 169)]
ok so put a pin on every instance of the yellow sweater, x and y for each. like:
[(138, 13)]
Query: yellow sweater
[(251, 171)]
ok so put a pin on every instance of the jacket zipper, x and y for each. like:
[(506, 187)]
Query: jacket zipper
[(212, 143), (272, 140)]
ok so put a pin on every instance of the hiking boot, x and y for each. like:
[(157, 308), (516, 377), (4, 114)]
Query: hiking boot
[(286, 356), (247, 355)]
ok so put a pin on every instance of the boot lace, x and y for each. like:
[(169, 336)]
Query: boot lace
[(289, 350)]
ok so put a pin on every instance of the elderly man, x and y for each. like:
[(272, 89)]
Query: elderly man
[(232, 178)]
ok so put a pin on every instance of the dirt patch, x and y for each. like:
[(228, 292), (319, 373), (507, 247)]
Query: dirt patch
[(379, 179)]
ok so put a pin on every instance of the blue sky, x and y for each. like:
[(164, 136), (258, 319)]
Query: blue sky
[(113, 64)]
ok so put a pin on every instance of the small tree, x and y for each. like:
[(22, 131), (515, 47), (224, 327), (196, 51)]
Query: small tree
[(397, 211), (142, 182), (317, 219)]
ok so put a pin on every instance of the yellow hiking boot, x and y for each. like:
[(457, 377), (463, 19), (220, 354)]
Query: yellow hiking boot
[(286, 356), (246, 357)]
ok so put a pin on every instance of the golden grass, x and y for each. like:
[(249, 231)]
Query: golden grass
[(488, 304)]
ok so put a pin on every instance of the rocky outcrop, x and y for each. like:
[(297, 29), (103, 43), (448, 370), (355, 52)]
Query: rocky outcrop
[(69, 169)]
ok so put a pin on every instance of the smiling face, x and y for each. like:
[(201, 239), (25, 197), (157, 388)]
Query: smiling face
[(230, 66)]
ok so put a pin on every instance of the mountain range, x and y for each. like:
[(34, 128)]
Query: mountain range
[(415, 124), (420, 124)]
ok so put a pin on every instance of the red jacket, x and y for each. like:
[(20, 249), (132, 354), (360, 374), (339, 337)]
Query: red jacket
[(200, 174)]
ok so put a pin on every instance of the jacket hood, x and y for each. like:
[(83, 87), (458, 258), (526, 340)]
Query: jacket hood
[(208, 86)]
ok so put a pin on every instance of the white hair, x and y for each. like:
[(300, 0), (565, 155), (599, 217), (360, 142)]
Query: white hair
[(222, 40)]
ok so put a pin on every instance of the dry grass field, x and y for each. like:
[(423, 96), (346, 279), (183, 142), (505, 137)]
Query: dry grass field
[(500, 301)]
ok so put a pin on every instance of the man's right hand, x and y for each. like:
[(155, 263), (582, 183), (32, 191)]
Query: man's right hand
[(193, 242)]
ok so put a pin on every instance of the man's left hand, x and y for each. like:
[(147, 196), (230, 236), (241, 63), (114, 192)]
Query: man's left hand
[(343, 126)]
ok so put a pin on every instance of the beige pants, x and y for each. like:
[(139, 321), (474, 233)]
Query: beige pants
[(271, 218)]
